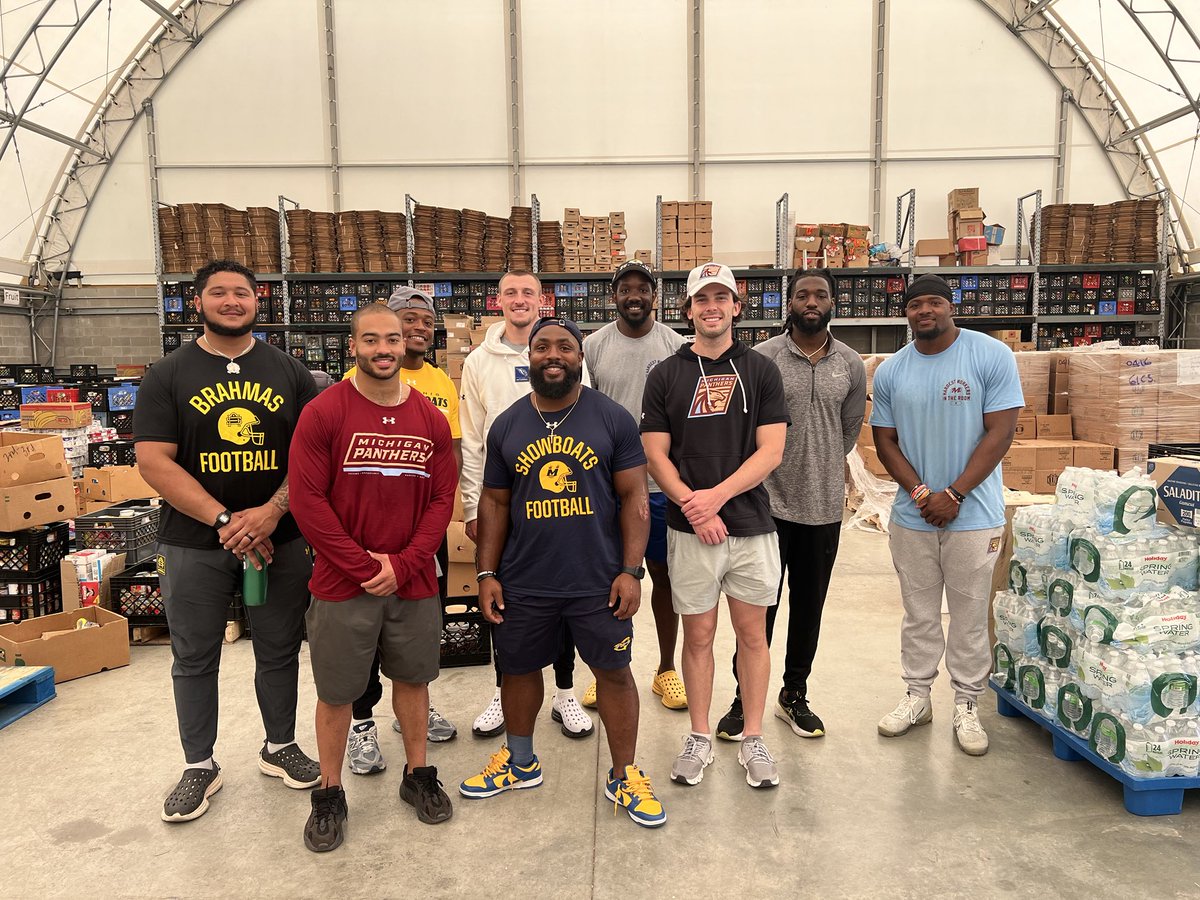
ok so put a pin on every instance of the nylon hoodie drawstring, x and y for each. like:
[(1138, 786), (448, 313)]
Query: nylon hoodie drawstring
[(704, 378)]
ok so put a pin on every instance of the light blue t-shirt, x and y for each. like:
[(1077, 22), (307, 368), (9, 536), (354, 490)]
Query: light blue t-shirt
[(936, 403)]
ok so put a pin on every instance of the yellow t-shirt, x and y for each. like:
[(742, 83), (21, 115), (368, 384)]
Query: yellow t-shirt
[(437, 388)]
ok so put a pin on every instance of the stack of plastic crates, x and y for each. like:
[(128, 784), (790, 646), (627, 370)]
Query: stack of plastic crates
[(30, 579), (130, 527)]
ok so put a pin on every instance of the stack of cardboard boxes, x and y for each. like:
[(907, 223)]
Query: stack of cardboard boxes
[(686, 234), (593, 243), (462, 334), (835, 245), (968, 238)]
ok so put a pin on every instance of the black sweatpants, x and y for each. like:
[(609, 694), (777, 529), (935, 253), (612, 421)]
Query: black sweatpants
[(197, 586), (806, 554)]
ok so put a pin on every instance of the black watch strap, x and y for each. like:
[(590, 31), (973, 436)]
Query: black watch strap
[(638, 572), (222, 519)]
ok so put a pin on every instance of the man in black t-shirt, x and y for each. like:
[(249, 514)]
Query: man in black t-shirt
[(213, 424), (563, 524)]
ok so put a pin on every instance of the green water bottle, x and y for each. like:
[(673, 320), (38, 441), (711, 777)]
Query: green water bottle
[(254, 581)]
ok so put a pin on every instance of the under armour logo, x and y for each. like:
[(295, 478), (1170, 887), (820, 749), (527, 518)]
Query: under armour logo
[(389, 420)]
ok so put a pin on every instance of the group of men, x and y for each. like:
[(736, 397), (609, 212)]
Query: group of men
[(719, 466)]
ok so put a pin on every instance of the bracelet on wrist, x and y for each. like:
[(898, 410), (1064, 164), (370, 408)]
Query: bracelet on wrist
[(487, 573), (953, 496), (920, 492), (956, 493)]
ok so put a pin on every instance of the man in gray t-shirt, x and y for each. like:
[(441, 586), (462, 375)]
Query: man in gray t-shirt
[(620, 356), (826, 388)]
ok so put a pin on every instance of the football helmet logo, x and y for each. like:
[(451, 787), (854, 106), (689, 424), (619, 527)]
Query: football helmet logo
[(553, 477), (237, 425)]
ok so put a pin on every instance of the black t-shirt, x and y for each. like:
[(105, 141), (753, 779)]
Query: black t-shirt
[(712, 409), (564, 538), (232, 431)]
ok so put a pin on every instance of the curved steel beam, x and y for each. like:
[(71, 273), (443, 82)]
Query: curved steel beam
[(108, 125)]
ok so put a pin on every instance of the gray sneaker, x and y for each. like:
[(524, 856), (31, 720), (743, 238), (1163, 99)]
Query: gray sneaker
[(689, 765), (440, 728), (760, 767), (362, 749)]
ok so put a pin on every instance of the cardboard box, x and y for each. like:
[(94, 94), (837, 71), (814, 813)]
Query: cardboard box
[(670, 208), (1054, 427), (1007, 335), (97, 593), (870, 457), (1018, 479), (1091, 455), (115, 483), (460, 548), (1178, 482), (460, 580), (1052, 455), (935, 247), (1058, 404), (30, 458), (973, 258), (703, 208), (962, 198), (56, 415), (26, 505), (73, 652), (1020, 455), (1045, 482), (1026, 428)]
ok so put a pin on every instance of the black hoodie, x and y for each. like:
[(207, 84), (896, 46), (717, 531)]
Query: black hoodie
[(712, 409)]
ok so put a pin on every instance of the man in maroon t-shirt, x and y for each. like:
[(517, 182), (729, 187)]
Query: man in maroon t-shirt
[(373, 475)]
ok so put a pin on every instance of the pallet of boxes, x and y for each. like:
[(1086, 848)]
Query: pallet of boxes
[(37, 628), (968, 235), (686, 234), (593, 243), (466, 638)]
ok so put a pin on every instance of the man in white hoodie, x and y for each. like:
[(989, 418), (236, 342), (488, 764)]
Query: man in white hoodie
[(495, 376)]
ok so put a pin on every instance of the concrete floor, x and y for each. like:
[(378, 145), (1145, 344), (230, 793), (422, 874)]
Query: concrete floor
[(855, 815)]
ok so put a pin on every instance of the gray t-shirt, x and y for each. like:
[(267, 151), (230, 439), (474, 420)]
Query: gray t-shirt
[(826, 402), (620, 364)]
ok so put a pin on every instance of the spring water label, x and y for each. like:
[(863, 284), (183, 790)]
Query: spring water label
[(1099, 624), (1108, 738), (1101, 675), (1018, 578), (1133, 507), (1004, 667), (1060, 594), (1033, 686), (1085, 559), (1055, 644), (1074, 709), (1175, 629), (1184, 756), (1172, 692)]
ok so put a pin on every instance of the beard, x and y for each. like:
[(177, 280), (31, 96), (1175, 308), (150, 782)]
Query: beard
[(933, 332), (820, 325), (555, 390), (633, 320), (225, 330), (366, 366)]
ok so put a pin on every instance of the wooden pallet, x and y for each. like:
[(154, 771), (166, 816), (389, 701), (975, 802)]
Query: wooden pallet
[(23, 689), (1153, 796)]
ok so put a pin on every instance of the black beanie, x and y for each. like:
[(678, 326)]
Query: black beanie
[(928, 284)]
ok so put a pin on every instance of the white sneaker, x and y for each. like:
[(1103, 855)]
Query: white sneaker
[(566, 709), (490, 722), (970, 734), (912, 710), (362, 747)]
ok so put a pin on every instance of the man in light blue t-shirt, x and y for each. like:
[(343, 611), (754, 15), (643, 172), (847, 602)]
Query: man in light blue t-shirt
[(944, 412)]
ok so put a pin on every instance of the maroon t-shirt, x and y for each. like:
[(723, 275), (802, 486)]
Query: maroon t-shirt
[(369, 477)]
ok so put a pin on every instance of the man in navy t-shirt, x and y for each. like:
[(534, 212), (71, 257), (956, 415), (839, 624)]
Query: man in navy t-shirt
[(563, 523)]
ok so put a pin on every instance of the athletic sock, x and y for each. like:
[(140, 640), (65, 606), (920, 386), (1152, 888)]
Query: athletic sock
[(520, 748), (275, 748), (205, 764), (354, 723), (701, 734)]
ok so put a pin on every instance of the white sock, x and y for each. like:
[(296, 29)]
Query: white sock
[(708, 737), (275, 748), (205, 764), (354, 722)]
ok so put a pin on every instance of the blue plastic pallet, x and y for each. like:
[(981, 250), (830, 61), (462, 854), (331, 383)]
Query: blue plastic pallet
[(23, 689), (1143, 796)]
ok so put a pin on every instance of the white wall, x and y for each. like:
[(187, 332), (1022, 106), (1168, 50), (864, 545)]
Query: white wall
[(423, 109)]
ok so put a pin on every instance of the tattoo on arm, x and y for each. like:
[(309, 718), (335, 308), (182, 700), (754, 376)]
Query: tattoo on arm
[(280, 497)]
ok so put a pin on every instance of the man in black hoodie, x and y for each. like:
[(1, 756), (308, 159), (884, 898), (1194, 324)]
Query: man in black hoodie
[(714, 421)]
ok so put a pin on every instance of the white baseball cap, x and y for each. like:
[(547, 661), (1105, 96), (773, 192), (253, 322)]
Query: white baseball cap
[(710, 273)]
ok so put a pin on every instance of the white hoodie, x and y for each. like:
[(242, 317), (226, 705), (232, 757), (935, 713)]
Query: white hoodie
[(494, 377)]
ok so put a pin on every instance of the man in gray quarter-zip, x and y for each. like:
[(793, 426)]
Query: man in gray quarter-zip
[(826, 389)]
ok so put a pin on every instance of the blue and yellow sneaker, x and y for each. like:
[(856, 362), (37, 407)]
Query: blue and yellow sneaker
[(633, 792), (501, 774)]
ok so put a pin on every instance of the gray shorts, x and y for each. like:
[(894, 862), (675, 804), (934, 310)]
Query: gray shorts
[(745, 568), (343, 637)]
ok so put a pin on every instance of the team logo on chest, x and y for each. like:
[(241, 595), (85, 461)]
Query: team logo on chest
[(956, 391), (712, 396), (389, 420)]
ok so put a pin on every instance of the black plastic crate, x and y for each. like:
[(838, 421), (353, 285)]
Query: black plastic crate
[(112, 453), (466, 637), (26, 596), (34, 549), (130, 526), (84, 371), (137, 594), (1155, 451), (122, 422)]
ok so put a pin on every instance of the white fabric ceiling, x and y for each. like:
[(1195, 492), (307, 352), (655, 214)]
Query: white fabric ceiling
[(59, 79)]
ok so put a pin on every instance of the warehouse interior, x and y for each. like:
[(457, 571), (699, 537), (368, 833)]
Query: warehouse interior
[(343, 148)]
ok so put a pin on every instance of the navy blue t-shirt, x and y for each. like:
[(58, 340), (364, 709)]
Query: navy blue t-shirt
[(564, 536)]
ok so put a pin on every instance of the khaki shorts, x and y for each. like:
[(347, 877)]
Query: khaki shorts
[(745, 568), (344, 635)]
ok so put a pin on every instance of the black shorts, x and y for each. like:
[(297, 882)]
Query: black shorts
[(529, 638)]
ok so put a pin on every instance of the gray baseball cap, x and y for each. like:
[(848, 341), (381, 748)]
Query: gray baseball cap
[(410, 298)]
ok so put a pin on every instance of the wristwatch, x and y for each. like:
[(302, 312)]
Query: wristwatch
[(638, 572), (223, 519)]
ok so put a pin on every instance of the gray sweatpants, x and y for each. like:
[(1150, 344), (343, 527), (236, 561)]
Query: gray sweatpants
[(959, 563), (197, 586)]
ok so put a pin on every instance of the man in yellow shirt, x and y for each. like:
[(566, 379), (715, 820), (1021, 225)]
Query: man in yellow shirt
[(417, 319)]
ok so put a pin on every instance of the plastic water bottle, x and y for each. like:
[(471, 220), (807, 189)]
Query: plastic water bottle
[(1075, 494), (1108, 738), (1074, 707), (1184, 753), (254, 581), (1031, 682), (1004, 666), (1055, 643), (1016, 623)]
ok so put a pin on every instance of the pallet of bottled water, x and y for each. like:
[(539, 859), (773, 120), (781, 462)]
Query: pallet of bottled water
[(1098, 635)]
